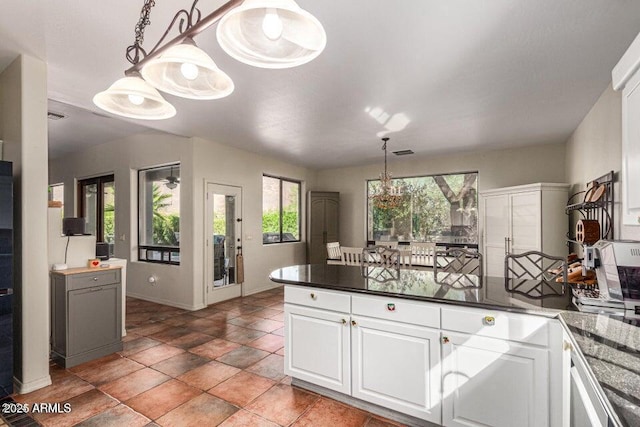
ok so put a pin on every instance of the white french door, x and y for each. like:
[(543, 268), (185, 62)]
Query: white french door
[(223, 205)]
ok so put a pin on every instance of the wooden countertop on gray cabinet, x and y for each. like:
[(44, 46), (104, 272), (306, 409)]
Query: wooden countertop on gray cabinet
[(86, 314)]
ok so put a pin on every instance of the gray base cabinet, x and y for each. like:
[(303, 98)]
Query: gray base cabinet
[(86, 315)]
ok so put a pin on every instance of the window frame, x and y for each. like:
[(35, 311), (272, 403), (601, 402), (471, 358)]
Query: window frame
[(165, 250), (293, 181), (100, 181), (366, 201)]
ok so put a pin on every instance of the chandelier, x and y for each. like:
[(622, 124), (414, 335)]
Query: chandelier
[(261, 33), (387, 195)]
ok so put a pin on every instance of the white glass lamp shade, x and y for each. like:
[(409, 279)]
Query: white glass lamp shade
[(271, 34), (187, 71), (134, 98)]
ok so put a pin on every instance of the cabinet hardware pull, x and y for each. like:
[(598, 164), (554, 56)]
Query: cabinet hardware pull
[(445, 340), (566, 345), (391, 307), (95, 279), (313, 296), (489, 320), (353, 323), (344, 321)]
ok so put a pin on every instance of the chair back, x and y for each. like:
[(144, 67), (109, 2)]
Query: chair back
[(351, 256), (381, 256), (535, 274), (459, 261), (333, 250), (388, 244), (423, 253)]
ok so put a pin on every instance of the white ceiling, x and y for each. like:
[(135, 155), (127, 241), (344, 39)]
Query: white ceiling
[(467, 74)]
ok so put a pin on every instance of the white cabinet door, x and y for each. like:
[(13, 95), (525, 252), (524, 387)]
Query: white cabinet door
[(397, 366), (489, 382), (496, 231), (526, 222), (317, 347)]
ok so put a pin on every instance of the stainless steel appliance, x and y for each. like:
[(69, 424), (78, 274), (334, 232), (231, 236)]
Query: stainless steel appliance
[(6, 279), (618, 272)]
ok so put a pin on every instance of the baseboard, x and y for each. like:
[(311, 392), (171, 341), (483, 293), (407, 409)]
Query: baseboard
[(166, 302), (21, 388), (262, 289)]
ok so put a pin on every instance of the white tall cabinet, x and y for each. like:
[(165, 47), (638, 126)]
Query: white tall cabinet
[(626, 78), (520, 219)]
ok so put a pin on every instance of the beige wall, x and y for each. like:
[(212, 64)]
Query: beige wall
[(123, 158), (496, 168), (595, 148), (221, 164), (23, 107), (201, 161)]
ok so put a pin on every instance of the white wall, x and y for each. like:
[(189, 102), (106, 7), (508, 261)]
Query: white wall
[(595, 148), (123, 158), (222, 164), (497, 168), (201, 161), (23, 107)]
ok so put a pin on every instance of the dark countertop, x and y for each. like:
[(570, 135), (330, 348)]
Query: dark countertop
[(609, 343), (485, 292)]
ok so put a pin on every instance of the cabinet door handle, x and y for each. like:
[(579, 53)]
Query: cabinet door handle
[(313, 296), (566, 345), (353, 323), (95, 279), (445, 340), (489, 320), (344, 321)]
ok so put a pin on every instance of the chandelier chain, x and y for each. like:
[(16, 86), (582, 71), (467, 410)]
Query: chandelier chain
[(136, 51), (188, 18)]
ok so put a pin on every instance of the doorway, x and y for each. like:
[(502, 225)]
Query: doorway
[(223, 242)]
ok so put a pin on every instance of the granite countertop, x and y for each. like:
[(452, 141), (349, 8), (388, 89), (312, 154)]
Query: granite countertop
[(468, 290), (609, 343)]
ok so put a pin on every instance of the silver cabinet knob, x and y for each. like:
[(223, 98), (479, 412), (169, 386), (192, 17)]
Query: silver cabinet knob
[(95, 279)]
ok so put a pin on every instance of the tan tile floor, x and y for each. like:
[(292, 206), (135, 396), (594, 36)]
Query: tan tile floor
[(222, 365)]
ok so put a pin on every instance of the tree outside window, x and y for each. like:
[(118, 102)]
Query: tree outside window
[(439, 208), (280, 210)]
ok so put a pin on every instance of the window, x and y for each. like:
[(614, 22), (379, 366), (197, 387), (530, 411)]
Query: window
[(280, 210), (97, 206), (56, 193), (159, 214), (439, 208)]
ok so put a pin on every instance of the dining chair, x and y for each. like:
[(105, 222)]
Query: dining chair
[(535, 274), (458, 260), (351, 256), (381, 256), (333, 250), (422, 253)]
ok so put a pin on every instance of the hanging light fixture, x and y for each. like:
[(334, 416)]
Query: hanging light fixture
[(262, 33), (271, 34), (187, 71), (134, 98), (387, 195)]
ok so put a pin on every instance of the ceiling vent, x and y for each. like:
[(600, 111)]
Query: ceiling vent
[(403, 152), (55, 116)]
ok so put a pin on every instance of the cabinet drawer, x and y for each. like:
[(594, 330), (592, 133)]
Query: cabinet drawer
[(88, 280), (313, 297), (396, 309), (507, 326)]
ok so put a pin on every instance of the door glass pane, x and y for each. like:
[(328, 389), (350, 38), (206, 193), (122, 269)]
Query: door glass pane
[(90, 212), (108, 215), (290, 211), (224, 237)]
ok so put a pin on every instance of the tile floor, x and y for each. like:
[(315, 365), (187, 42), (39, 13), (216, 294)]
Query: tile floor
[(222, 365)]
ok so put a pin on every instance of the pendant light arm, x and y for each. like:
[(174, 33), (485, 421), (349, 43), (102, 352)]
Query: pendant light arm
[(190, 32)]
